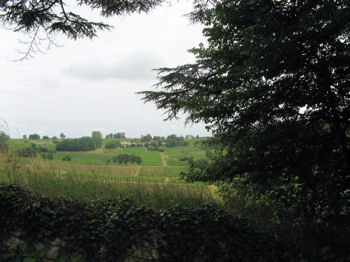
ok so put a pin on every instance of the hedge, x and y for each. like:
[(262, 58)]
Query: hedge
[(35, 228)]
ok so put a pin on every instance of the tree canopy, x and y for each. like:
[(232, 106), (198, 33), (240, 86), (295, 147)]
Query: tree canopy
[(43, 19), (34, 136), (273, 85), (55, 16)]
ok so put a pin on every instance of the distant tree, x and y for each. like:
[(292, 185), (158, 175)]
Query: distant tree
[(119, 135), (112, 144), (76, 144), (97, 137), (138, 160), (62, 136), (158, 138), (109, 136), (146, 138), (54, 137), (34, 136), (125, 158), (45, 137), (24, 136), (173, 140)]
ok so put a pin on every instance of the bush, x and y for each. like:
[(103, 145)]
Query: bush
[(119, 231), (49, 156), (26, 152), (125, 158), (112, 144), (66, 158)]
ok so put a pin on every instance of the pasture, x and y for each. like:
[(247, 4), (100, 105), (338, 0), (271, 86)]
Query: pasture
[(91, 175)]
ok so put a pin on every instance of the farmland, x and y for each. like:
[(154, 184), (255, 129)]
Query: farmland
[(93, 175)]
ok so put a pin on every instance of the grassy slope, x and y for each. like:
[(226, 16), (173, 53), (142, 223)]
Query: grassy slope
[(152, 164)]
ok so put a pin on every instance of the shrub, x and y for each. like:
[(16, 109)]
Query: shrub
[(67, 158), (119, 231), (112, 144), (50, 156), (26, 152), (125, 158)]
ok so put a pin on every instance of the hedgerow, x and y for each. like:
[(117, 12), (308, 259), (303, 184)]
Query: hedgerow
[(46, 229)]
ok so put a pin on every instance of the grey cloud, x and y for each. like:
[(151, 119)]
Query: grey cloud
[(49, 83), (137, 66)]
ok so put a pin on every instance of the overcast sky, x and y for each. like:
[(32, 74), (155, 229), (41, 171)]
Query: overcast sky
[(88, 85)]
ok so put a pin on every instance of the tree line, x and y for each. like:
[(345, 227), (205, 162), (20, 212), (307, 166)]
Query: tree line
[(81, 144), (125, 159)]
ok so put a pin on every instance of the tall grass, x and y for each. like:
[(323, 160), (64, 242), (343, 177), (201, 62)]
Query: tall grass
[(44, 178)]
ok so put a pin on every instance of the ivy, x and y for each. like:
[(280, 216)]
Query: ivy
[(117, 230)]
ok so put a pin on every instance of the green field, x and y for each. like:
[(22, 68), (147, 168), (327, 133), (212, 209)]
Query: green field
[(90, 176), (170, 157), (156, 166)]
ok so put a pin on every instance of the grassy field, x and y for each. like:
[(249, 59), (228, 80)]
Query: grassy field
[(170, 157), (90, 176)]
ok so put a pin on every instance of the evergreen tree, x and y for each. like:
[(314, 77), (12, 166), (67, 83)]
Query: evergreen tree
[(55, 16)]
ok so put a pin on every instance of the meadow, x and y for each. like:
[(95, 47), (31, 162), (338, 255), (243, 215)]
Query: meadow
[(91, 175)]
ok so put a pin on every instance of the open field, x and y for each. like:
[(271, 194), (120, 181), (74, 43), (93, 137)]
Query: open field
[(100, 156), (154, 187), (91, 175)]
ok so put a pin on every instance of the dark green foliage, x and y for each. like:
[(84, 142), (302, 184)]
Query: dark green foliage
[(116, 135), (210, 234), (76, 144), (273, 85), (112, 144), (116, 230), (125, 158), (34, 136), (67, 158), (154, 148), (119, 135), (146, 138), (174, 140), (48, 156), (55, 16), (26, 152)]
